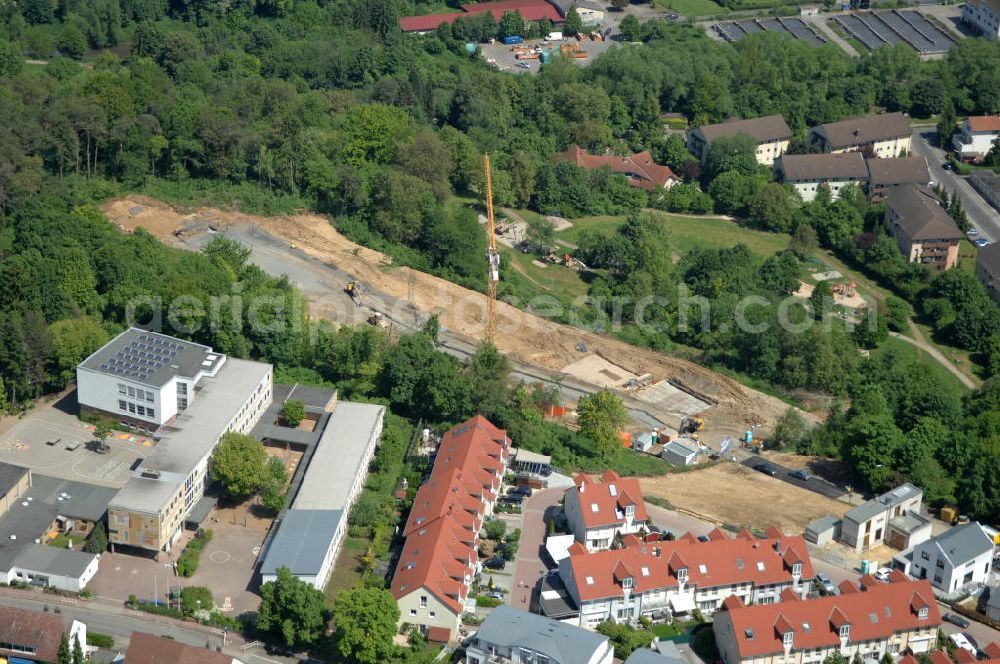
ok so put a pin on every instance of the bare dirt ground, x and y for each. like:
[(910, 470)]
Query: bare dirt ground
[(737, 495), (524, 337)]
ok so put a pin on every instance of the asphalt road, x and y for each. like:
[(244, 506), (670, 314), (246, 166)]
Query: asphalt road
[(981, 214), (814, 484)]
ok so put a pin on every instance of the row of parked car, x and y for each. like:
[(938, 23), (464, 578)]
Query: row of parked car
[(515, 496)]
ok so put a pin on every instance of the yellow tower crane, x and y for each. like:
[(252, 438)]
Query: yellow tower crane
[(492, 257)]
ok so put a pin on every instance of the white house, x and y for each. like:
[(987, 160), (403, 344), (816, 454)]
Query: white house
[(954, 559), (893, 518), (978, 134), (43, 565), (509, 636), (597, 512), (983, 16)]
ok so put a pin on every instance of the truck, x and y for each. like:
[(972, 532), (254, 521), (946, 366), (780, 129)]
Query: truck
[(554, 36), (513, 39)]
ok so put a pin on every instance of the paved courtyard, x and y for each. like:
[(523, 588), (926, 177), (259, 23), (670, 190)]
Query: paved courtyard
[(26, 443)]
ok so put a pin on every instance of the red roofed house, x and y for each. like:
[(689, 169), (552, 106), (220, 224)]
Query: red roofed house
[(640, 169), (530, 10), (439, 558), (880, 619), (597, 512), (978, 135), (657, 579), (149, 649), (31, 636)]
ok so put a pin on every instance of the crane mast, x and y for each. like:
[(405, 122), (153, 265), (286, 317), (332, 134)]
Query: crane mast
[(492, 257)]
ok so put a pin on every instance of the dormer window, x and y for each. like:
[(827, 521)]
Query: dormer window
[(787, 638), (922, 613), (627, 582), (682, 575), (845, 631), (797, 569), (630, 510)]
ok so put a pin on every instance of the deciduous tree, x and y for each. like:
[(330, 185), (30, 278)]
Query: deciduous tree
[(294, 611), (602, 416), (239, 464), (365, 620)]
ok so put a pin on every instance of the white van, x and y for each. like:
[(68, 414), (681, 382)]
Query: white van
[(554, 36)]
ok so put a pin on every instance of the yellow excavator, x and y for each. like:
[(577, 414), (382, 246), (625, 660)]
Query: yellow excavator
[(355, 290), (691, 425)]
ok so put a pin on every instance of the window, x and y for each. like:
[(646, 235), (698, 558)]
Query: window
[(140, 394), (627, 582), (141, 410), (797, 569), (150, 412), (630, 510), (590, 580), (787, 639), (682, 574), (131, 408), (121, 389), (925, 555), (423, 601), (922, 613), (939, 563), (524, 656), (131, 391), (845, 631), (413, 612), (433, 614), (121, 404), (645, 571), (594, 508), (703, 569), (149, 397), (760, 565)]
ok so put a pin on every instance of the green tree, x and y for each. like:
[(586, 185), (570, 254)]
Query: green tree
[(897, 314), (489, 374), (293, 610), (103, 428), (619, 4), (73, 340), (197, 599), (672, 151), (821, 298), (239, 464), (71, 42), (293, 412), (732, 192), (540, 232), (790, 430), (771, 208), (495, 529), (272, 489), (78, 656), (946, 125), (872, 330), (11, 59), (601, 417), (804, 241), (630, 28), (97, 541), (366, 624), (511, 24), (572, 25), (4, 401), (63, 655), (731, 153), (37, 12)]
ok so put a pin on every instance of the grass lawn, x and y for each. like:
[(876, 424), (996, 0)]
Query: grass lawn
[(666, 631), (348, 568), (692, 7), (908, 352), (62, 540), (557, 280)]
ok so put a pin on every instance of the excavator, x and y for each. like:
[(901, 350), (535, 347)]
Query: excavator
[(690, 425), (356, 291)]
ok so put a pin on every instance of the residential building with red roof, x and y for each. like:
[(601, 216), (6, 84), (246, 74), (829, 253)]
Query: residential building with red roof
[(599, 511), (991, 654), (660, 579), (530, 10), (639, 168), (439, 558), (30, 635), (876, 619), (977, 136)]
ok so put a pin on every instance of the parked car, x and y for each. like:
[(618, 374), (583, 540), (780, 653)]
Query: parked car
[(800, 475), (495, 594), (972, 232), (882, 573), (766, 468), (524, 65), (963, 641), (955, 619), (981, 242), (946, 165), (825, 584), (525, 491), (495, 563), (702, 538)]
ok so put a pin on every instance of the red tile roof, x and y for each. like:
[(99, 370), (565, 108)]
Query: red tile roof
[(725, 562), (438, 634), (940, 657), (985, 123), (31, 629), (992, 651), (963, 656), (442, 529), (148, 649), (530, 10), (640, 168), (603, 503), (872, 614)]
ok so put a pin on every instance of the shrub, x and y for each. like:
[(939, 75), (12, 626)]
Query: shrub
[(293, 412), (487, 602), (99, 640)]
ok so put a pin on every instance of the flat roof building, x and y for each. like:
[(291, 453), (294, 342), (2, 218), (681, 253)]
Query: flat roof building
[(189, 396), (869, 524)]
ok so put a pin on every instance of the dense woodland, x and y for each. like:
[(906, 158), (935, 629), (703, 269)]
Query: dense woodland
[(326, 105)]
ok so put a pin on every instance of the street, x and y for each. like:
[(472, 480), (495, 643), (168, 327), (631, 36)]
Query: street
[(814, 484), (981, 214)]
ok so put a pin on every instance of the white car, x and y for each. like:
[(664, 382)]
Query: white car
[(962, 641), (883, 573)]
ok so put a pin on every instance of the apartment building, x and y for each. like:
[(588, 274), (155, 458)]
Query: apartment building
[(439, 559), (662, 579), (988, 269), (808, 173), (924, 231), (511, 636), (598, 512), (189, 396), (870, 622), (978, 133), (893, 518), (771, 133), (983, 16), (883, 136), (885, 175)]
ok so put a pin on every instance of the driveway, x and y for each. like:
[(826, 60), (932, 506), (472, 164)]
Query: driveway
[(981, 214), (529, 566), (814, 484)]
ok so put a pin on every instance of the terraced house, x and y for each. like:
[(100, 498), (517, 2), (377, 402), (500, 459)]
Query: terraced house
[(869, 621), (662, 579), (600, 511), (439, 558)]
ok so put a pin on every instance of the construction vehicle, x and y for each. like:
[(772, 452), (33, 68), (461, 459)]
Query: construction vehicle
[(356, 291), (492, 258), (376, 319), (690, 425)]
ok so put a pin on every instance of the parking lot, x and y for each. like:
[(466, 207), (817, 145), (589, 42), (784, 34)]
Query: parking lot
[(906, 26), (53, 441), (503, 56)]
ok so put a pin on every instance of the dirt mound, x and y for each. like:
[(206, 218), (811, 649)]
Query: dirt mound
[(526, 338)]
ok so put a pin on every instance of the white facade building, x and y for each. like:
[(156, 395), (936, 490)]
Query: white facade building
[(977, 136), (598, 512), (954, 559), (43, 565), (511, 636), (984, 16)]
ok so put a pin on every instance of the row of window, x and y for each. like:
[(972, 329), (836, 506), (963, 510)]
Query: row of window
[(135, 409), (136, 393)]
